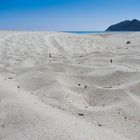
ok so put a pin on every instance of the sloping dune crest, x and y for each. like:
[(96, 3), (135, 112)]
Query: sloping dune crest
[(60, 86)]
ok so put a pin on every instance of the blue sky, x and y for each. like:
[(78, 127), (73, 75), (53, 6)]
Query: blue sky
[(62, 15)]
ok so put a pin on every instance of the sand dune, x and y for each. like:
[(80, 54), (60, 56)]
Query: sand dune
[(60, 86)]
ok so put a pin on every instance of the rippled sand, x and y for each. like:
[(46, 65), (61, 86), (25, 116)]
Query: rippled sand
[(59, 86)]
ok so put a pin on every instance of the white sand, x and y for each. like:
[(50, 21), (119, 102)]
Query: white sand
[(47, 79)]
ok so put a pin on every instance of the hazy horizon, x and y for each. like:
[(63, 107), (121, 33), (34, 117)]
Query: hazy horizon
[(66, 15)]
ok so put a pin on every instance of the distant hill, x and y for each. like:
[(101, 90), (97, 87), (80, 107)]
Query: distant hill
[(127, 25)]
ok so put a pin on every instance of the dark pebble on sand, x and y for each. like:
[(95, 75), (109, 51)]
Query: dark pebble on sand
[(80, 114), (128, 42), (99, 125)]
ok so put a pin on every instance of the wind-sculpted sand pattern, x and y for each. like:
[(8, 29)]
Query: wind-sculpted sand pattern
[(59, 86)]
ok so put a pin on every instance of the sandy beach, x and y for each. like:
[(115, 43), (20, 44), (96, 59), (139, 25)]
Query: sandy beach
[(62, 86)]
